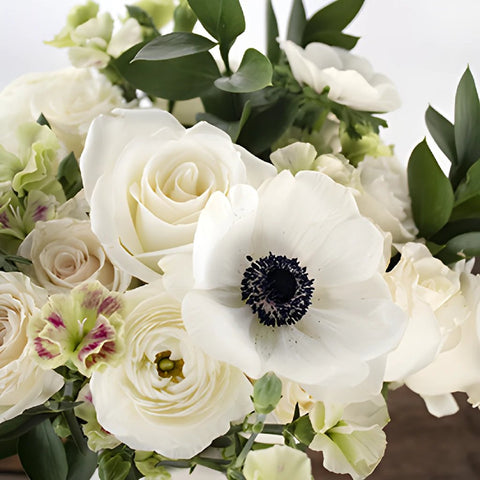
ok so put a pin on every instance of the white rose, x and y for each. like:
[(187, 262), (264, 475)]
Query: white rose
[(384, 197), (351, 79), (429, 292), (65, 253), (69, 99), (23, 384), (172, 398), (147, 179)]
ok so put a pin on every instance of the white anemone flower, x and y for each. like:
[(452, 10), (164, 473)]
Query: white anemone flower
[(289, 279)]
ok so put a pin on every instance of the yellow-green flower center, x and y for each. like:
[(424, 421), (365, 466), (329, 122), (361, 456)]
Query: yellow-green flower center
[(168, 368)]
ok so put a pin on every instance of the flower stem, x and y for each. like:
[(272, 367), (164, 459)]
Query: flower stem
[(243, 454)]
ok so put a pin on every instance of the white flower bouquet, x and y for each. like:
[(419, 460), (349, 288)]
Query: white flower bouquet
[(218, 264)]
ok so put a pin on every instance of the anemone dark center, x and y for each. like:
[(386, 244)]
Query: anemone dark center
[(277, 289)]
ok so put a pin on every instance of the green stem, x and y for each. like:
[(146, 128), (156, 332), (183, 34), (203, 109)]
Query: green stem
[(247, 447), (273, 428)]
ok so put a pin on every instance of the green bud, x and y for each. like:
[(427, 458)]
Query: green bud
[(267, 392), (146, 463), (184, 18)]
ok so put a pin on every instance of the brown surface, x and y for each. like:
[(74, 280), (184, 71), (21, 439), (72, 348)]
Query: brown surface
[(421, 447)]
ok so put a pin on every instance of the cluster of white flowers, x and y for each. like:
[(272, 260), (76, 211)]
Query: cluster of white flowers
[(248, 267)]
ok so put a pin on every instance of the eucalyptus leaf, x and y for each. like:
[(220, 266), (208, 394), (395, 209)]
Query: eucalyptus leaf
[(69, 176), (442, 132), (81, 466), (463, 246), (175, 79), (42, 453), (334, 17), (430, 191), (174, 45), (254, 73), (297, 22), (273, 49), (222, 19), (335, 39), (467, 119)]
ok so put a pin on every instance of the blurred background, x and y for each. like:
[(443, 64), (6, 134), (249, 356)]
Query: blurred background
[(424, 46)]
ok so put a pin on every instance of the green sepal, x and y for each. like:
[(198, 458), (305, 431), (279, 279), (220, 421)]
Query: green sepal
[(69, 176), (174, 45), (442, 132), (42, 453), (254, 73), (430, 190)]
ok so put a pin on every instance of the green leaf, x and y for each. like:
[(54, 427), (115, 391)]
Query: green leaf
[(69, 176), (297, 22), (456, 227), (80, 466), (461, 247), (470, 187), (303, 430), (254, 73), (183, 18), (174, 45), (141, 16), (42, 453), (267, 392), (41, 120), (334, 17), (113, 466), (20, 425), (8, 448), (273, 49), (430, 190), (222, 19), (175, 79), (335, 39), (442, 132), (467, 120), (232, 128), (222, 104)]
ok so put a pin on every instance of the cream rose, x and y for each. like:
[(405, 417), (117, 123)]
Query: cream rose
[(65, 253), (172, 397), (147, 179), (23, 384), (351, 79), (69, 99)]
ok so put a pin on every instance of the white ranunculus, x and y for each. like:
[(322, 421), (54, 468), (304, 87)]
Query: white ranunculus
[(350, 436), (23, 384), (384, 197), (65, 253), (457, 366), (69, 99), (429, 292), (289, 279), (147, 179), (171, 397), (277, 463), (351, 79)]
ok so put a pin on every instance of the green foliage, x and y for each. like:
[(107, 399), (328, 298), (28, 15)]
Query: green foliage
[(430, 190), (8, 448), (69, 176), (41, 120), (9, 263), (42, 453), (273, 49), (327, 24), (466, 245), (442, 132), (142, 17), (174, 45), (81, 466), (267, 392), (297, 22), (183, 17), (254, 73)]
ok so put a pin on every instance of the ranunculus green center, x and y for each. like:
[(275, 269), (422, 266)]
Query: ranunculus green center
[(168, 368)]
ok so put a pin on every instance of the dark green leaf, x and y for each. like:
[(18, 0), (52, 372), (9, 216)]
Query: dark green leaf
[(430, 190), (442, 132), (175, 79), (334, 17), (141, 16), (223, 19), (463, 246), (470, 187), (271, 122), (303, 430), (42, 453), (69, 176), (41, 120), (52, 407), (297, 22), (467, 120), (174, 45), (335, 39), (8, 448), (19, 425), (80, 466), (232, 128), (468, 209), (273, 49), (183, 18), (76, 431), (113, 467), (254, 73), (456, 227), (8, 263)]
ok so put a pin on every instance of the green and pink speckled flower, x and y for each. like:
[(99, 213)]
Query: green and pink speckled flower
[(83, 329)]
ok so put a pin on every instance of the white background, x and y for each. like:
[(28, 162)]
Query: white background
[(424, 46)]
